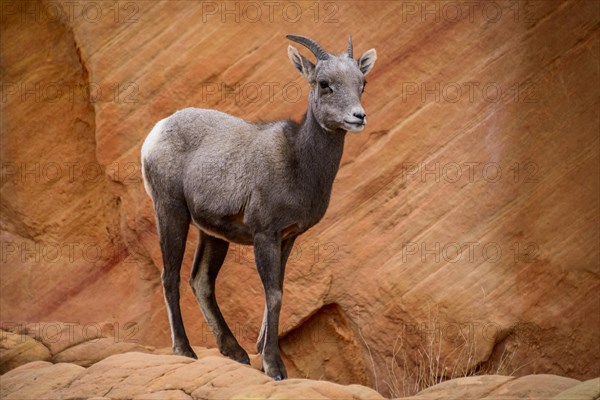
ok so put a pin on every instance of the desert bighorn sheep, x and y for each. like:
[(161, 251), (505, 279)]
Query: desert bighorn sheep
[(260, 184)]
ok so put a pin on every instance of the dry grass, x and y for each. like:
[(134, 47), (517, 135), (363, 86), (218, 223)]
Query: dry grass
[(434, 364)]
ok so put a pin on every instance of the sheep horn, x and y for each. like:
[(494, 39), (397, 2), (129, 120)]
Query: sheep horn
[(311, 45), (350, 50)]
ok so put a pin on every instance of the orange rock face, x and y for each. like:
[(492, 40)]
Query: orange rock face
[(463, 225)]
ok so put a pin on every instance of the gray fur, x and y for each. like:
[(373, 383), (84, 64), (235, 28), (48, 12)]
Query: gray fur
[(259, 184)]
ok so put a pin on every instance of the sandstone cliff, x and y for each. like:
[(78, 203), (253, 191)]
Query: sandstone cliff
[(463, 222)]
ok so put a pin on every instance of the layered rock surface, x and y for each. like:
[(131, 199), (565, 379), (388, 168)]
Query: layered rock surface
[(463, 222), (131, 372)]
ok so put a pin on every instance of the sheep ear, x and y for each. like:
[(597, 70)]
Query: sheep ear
[(367, 61), (301, 63)]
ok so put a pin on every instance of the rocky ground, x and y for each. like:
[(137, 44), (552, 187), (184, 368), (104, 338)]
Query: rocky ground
[(71, 367)]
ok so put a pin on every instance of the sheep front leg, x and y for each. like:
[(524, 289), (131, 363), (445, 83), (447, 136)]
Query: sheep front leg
[(286, 248), (267, 252)]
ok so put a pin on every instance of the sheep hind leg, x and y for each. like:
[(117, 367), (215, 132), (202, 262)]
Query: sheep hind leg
[(173, 224), (210, 254)]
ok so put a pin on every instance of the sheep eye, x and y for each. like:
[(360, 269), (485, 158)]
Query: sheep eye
[(323, 84)]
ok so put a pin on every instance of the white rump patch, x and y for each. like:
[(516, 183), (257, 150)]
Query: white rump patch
[(152, 138), (151, 141)]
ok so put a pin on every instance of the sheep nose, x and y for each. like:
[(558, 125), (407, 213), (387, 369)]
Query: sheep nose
[(360, 115)]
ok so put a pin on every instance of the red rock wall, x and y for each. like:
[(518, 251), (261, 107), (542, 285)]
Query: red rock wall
[(467, 211)]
